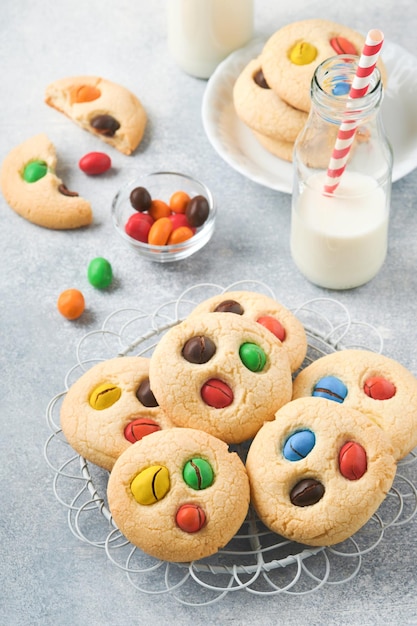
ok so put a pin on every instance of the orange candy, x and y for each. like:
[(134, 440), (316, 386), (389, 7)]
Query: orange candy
[(180, 234), (85, 93), (71, 304), (159, 209), (160, 232), (178, 201)]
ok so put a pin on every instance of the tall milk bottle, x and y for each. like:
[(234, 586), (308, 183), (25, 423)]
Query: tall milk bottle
[(339, 240)]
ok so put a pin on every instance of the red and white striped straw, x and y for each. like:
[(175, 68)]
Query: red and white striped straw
[(347, 129)]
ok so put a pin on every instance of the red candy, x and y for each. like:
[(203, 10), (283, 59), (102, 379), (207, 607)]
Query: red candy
[(273, 325), (190, 518), (379, 388), (139, 428), (216, 393), (342, 46), (138, 226), (95, 163), (352, 460)]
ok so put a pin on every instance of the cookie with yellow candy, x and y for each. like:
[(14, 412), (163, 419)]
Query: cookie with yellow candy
[(319, 471), (179, 494), (291, 55), (32, 188), (110, 407), (104, 108)]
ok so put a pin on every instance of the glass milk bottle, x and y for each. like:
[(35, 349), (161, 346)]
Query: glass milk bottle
[(339, 239), (201, 33)]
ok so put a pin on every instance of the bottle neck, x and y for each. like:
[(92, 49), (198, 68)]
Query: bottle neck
[(330, 91)]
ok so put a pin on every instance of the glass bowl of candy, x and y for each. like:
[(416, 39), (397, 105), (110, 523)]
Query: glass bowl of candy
[(164, 216)]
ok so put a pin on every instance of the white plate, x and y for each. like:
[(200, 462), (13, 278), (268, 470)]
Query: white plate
[(235, 143)]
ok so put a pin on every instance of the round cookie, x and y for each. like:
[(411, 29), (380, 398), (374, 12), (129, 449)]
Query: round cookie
[(223, 374), (319, 471), (281, 149), (32, 189), (110, 407), (261, 109), (291, 55), (380, 387), (273, 315), (179, 494), (102, 107)]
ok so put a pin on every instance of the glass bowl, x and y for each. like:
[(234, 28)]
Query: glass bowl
[(161, 186)]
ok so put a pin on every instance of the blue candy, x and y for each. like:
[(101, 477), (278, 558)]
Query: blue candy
[(341, 89), (299, 445), (331, 388)]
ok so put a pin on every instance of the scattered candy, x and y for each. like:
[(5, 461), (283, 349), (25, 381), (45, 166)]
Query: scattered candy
[(71, 304), (190, 518), (168, 223), (95, 163), (100, 273), (34, 170)]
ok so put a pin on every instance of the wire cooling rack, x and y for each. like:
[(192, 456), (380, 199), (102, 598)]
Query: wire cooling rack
[(256, 560)]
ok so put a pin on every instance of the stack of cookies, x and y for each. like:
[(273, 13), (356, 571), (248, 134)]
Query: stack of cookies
[(322, 444), (272, 94)]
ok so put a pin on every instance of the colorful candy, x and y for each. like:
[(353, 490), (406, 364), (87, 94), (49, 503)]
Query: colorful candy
[(229, 306), (85, 93), (185, 215), (95, 163), (342, 46), (307, 492), (331, 388), (150, 485), (71, 304), (217, 393), (139, 428), (199, 349), (100, 273), (299, 445), (252, 356), (352, 460), (145, 395), (273, 325), (302, 53), (379, 388), (105, 125), (104, 396), (190, 518), (34, 171), (198, 474)]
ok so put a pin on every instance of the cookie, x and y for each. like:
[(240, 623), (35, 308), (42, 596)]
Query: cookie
[(281, 149), (223, 374), (261, 109), (319, 471), (179, 494), (110, 407), (268, 312), (380, 387), (102, 107), (291, 55), (32, 189)]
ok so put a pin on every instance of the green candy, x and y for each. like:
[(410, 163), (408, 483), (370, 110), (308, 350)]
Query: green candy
[(100, 273), (198, 474), (34, 170), (252, 357)]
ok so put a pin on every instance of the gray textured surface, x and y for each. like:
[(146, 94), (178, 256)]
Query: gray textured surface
[(48, 576)]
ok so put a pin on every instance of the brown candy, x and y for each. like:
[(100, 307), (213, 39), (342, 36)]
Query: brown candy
[(144, 394), (140, 199), (229, 306), (197, 211), (105, 125), (307, 492), (198, 349), (66, 192), (259, 79)]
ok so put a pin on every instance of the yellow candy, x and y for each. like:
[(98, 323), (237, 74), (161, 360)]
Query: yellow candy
[(150, 485), (103, 396), (303, 53)]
